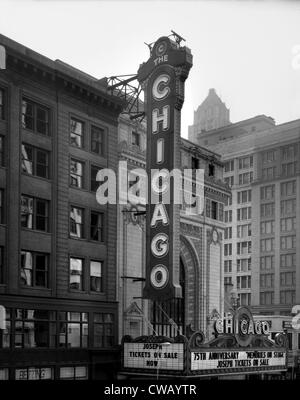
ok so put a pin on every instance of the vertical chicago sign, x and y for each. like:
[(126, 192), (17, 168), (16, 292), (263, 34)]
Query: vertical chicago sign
[(162, 78)]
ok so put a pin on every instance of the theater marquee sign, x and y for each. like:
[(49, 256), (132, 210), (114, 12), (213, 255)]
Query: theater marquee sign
[(162, 78), (240, 346)]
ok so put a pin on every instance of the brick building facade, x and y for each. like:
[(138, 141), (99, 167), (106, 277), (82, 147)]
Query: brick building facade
[(58, 127)]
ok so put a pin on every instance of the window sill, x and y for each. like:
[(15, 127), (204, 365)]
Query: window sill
[(37, 133), (36, 231), (88, 240), (37, 177)]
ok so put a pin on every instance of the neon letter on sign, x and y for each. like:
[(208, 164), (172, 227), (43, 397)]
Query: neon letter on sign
[(162, 78)]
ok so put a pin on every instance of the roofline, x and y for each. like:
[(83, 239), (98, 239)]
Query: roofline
[(236, 124), (15, 49)]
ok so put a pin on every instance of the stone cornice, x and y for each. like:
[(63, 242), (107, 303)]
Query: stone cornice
[(58, 75)]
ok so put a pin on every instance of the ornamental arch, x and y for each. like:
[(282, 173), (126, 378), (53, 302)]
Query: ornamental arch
[(185, 311)]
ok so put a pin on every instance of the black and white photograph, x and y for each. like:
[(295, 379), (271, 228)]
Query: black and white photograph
[(149, 193)]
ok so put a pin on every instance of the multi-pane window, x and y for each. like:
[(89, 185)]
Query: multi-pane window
[(288, 260), (266, 263), (228, 201), (76, 222), (266, 298), (228, 280), (268, 173), (97, 226), (228, 233), (229, 180), (229, 166), (228, 249), (244, 299), (34, 328), (214, 209), (35, 117), (246, 162), (266, 281), (79, 372), (245, 178), (135, 139), (243, 231), (2, 110), (289, 169), (288, 188), (243, 213), (104, 330), (267, 210), (2, 152), (34, 374), (228, 266), (76, 273), (76, 173), (289, 151), (288, 242), (244, 196), (94, 183), (96, 279), (34, 213), (268, 156), (76, 132), (73, 329), (287, 297), (228, 216), (97, 140), (35, 161), (2, 213), (288, 224), (243, 282), (243, 264), (267, 227), (267, 192), (244, 247), (288, 278), (34, 268), (267, 244), (5, 337), (288, 207)]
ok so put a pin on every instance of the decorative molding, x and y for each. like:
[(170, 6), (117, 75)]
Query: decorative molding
[(133, 309), (191, 230)]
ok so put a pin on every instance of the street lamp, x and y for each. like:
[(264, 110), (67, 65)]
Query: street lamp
[(159, 359)]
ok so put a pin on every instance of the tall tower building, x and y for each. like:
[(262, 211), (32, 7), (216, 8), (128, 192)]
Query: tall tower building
[(261, 257), (211, 114)]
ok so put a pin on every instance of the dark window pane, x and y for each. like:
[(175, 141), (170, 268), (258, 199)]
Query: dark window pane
[(97, 140), (94, 183), (96, 227)]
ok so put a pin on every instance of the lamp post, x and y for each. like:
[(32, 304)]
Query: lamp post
[(158, 361)]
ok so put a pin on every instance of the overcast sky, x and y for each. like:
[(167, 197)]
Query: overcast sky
[(244, 49)]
